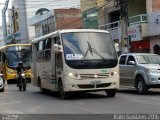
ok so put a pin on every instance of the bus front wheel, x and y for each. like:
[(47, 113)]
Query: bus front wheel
[(111, 93), (63, 95)]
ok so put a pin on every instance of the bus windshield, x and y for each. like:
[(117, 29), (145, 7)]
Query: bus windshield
[(88, 49), (14, 55)]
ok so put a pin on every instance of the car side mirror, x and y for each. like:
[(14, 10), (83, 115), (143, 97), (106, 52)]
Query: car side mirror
[(57, 48), (131, 63)]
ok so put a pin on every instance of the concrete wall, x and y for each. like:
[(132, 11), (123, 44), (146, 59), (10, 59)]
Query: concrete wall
[(19, 25), (101, 12), (137, 7), (154, 41), (22, 21), (1, 37), (155, 5), (87, 4), (60, 19)]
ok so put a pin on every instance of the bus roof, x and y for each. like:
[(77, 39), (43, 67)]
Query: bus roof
[(68, 30)]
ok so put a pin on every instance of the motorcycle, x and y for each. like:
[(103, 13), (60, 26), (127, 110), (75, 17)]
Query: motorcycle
[(21, 81)]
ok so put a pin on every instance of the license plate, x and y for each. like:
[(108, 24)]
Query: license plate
[(95, 82)]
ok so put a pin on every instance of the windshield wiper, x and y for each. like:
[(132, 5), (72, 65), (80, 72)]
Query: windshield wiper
[(92, 50)]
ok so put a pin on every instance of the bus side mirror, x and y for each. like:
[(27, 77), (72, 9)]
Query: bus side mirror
[(57, 48), (117, 47)]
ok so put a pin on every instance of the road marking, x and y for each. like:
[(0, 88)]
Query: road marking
[(7, 103)]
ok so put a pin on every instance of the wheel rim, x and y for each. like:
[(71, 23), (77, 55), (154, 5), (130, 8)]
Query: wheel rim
[(140, 86)]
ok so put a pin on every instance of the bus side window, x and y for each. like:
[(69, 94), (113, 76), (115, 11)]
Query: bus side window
[(47, 51), (59, 60), (58, 56), (40, 52), (34, 52), (56, 40)]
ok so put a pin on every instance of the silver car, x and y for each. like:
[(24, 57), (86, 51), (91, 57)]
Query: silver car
[(140, 70)]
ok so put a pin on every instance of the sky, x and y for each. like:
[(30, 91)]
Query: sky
[(50, 4)]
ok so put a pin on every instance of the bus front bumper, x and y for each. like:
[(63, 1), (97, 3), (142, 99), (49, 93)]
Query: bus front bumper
[(92, 85)]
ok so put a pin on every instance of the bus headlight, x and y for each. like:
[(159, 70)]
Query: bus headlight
[(74, 76), (9, 71), (113, 74)]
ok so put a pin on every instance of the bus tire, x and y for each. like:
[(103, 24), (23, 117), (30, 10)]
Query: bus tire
[(42, 90), (63, 95), (111, 92)]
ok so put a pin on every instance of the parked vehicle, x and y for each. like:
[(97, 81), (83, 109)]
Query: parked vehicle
[(2, 82), (21, 81), (140, 70)]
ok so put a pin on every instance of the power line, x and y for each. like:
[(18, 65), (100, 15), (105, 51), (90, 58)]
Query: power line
[(42, 4), (75, 6), (79, 19)]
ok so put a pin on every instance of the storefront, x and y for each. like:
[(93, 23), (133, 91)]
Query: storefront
[(140, 46)]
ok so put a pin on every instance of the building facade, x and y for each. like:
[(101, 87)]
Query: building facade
[(154, 11), (21, 11), (87, 4), (56, 19), (143, 29), (1, 37), (17, 23)]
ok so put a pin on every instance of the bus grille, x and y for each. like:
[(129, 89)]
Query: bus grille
[(88, 76), (92, 86)]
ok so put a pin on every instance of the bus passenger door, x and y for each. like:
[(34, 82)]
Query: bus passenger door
[(34, 80), (57, 65)]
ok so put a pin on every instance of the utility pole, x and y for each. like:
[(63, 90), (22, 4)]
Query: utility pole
[(123, 9), (14, 28)]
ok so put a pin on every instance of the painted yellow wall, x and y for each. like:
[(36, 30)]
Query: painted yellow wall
[(87, 4), (100, 2)]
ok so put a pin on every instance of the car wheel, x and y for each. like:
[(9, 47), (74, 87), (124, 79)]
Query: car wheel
[(141, 86), (111, 93)]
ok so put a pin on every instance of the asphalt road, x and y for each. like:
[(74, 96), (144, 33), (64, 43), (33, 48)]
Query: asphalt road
[(32, 101)]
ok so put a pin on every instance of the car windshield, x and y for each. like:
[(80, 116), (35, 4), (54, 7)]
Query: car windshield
[(148, 59)]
